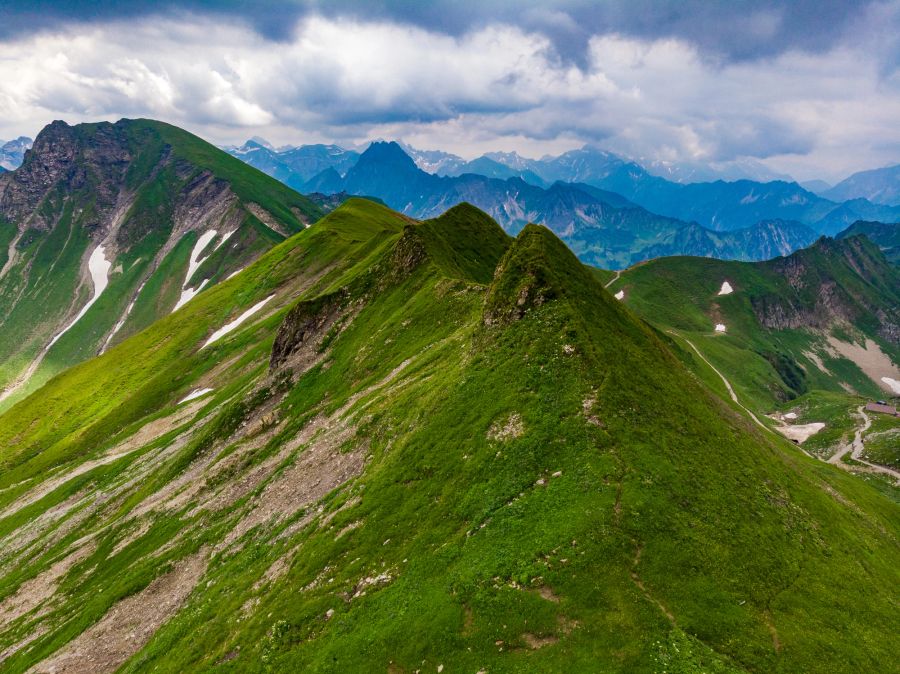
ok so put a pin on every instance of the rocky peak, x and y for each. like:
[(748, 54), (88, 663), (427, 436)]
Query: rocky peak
[(90, 159)]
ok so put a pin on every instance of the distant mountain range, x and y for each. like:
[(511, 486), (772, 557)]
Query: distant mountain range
[(13, 152), (880, 186), (729, 205), (695, 172), (294, 166), (612, 211), (602, 227), (719, 206), (569, 167)]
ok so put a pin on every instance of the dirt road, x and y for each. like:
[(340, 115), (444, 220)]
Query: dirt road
[(856, 449)]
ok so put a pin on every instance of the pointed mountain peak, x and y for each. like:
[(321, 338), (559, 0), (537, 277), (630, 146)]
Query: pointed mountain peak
[(258, 141), (387, 152)]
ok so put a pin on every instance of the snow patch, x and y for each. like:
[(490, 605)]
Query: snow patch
[(620, 295), (199, 247), (802, 432), (234, 273), (99, 267), (187, 294), (726, 288), (228, 327), (193, 395), (790, 415), (893, 384), (225, 238), (720, 327)]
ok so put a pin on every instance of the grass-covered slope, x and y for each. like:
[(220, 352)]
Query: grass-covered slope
[(423, 453), (884, 235), (811, 334), (145, 192)]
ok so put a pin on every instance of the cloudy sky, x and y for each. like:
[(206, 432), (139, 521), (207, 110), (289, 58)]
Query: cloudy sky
[(808, 87)]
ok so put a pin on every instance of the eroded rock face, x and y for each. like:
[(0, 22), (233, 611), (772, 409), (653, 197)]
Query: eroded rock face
[(409, 253), (818, 298), (60, 158), (830, 305), (303, 329)]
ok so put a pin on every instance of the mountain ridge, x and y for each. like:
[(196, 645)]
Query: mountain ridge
[(787, 324), (465, 448), (109, 213), (880, 186), (884, 235)]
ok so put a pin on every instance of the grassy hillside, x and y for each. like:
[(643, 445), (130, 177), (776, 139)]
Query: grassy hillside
[(811, 334), (145, 191), (423, 454), (884, 235)]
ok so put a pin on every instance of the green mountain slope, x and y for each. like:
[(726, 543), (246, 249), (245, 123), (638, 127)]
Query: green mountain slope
[(885, 235), (431, 447), (117, 211), (815, 333)]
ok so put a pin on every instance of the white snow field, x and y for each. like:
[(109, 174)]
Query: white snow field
[(893, 384), (99, 268), (228, 327), (187, 294), (193, 395), (620, 295), (726, 288), (720, 327)]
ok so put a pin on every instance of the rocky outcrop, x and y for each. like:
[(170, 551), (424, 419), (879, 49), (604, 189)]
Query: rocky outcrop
[(301, 334), (831, 304), (68, 160), (833, 282)]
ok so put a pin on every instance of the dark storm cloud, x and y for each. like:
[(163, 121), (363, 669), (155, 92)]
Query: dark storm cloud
[(812, 87), (734, 30)]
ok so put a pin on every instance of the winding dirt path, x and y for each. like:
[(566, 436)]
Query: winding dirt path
[(636, 578), (857, 447), (613, 279), (724, 380)]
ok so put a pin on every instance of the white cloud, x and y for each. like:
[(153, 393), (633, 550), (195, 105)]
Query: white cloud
[(498, 87)]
